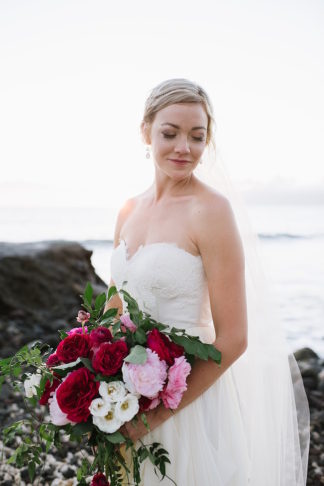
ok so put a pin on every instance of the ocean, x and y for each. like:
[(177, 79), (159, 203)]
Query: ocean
[(291, 243)]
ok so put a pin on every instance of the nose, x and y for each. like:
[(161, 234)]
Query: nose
[(182, 146)]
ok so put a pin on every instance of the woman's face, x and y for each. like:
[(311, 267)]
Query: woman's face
[(178, 138)]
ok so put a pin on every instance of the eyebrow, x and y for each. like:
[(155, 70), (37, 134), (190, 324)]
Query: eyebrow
[(177, 126)]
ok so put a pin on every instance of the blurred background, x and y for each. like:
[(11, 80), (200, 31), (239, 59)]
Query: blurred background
[(75, 75)]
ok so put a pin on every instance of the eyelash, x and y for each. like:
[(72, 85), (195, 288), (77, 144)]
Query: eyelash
[(196, 139)]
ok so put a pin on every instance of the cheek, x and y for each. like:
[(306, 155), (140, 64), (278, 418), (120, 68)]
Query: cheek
[(162, 146)]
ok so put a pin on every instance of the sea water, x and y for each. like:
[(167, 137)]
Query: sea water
[(291, 242)]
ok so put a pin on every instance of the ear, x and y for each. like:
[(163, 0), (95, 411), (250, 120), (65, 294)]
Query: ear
[(146, 132)]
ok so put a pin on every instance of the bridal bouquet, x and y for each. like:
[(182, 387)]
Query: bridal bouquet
[(103, 374)]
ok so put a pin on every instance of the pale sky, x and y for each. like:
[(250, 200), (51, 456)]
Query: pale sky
[(75, 75)]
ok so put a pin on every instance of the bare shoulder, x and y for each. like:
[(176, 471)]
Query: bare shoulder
[(215, 228), (210, 206), (124, 212)]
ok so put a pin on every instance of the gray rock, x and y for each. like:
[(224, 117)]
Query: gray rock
[(40, 287), (304, 354)]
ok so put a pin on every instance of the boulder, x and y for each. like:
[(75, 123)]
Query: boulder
[(40, 288)]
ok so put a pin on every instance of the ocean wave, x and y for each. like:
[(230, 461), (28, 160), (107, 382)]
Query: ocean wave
[(289, 236)]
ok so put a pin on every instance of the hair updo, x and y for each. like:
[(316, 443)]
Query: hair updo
[(178, 90)]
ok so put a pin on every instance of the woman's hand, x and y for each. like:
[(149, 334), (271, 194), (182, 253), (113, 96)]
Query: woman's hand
[(133, 431), (154, 418)]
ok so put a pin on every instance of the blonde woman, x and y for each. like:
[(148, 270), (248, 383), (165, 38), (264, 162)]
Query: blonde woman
[(178, 247)]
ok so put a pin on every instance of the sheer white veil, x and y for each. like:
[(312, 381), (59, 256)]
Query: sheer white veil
[(268, 382)]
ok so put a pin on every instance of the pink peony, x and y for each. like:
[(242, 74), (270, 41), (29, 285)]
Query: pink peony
[(78, 330), (176, 386), (83, 316), (127, 322), (146, 379)]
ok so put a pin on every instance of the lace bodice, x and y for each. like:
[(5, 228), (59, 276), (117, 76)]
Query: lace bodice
[(169, 283)]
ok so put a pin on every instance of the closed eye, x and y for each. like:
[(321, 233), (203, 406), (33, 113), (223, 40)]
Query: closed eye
[(172, 135), (168, 135)]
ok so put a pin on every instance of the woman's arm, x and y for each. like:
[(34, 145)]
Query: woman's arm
[(115, 301), (223, 259)]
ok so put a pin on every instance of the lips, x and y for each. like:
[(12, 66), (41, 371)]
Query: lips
[(180, 161)]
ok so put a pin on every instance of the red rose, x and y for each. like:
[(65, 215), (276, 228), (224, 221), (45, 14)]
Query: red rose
[(99, 479), (109, 357), (164, 348), (146, 404), (73, 347), (49, 388), (99, 336), (76, 393), (53, 360)]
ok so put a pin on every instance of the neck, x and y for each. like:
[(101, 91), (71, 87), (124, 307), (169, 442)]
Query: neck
[(164, 187)]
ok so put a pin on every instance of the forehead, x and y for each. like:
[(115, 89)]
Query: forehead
[(183, 114)]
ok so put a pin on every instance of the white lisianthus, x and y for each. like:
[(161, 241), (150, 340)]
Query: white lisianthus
[(108, 423), (126, 377), (113, 391), (127, 408), (99, 407), (30, 384)]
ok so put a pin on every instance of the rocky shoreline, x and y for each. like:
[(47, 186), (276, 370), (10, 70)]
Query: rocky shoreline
[(40, 287)]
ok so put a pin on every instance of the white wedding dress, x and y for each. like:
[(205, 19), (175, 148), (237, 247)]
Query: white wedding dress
[(207, 441)]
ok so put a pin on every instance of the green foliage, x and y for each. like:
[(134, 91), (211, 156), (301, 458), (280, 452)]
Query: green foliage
[(39, 436), (137, 355)]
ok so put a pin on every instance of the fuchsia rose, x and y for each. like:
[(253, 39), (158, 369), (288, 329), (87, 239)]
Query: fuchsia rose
[(176, 386), (99, 479), (53, 360), (77, 330), (83, 316), (76, 393), (99, 336), (73, 347), (164, 348), (109, 358), (146, 379), (127, 322), (49, 388)]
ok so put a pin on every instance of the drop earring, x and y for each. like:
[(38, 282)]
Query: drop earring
[(147, 154)]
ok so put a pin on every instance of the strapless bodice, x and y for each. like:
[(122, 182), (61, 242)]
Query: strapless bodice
[(169, 283)]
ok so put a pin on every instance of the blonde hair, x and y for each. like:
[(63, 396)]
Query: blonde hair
[(179, 90)]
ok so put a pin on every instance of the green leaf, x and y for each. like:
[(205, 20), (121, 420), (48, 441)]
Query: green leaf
[(100, 301), (137, 355), (16, 371), (62, 334), (140, 335), (202, 351), (214, 354), (109, 313), (87, 363), (189, 345), (82, 428), (88, 294), (111, 291), (31, 470), (144, 420), (116, 438), (132, 305)]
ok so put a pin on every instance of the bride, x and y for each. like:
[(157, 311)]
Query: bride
[(179, 252)]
